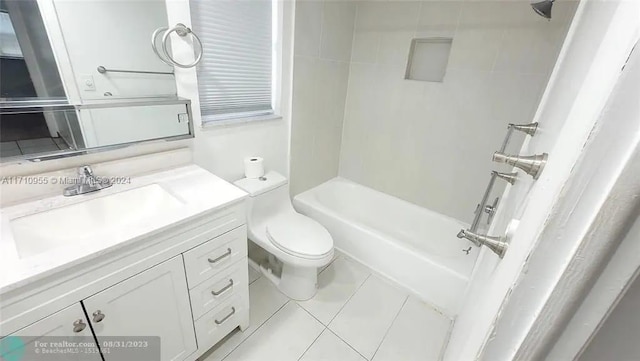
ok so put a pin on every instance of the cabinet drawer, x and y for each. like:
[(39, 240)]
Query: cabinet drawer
[(213, 292), (219, 322), (209, 258)]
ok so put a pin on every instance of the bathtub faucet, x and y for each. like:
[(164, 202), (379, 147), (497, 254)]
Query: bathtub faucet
[(497, 244)]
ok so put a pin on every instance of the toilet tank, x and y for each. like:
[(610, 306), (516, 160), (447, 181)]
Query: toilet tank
[(268, 195)]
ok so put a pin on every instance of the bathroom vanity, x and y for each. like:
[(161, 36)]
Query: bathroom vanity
[(164, 255)]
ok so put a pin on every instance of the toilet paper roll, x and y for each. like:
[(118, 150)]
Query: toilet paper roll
[(253, 167)]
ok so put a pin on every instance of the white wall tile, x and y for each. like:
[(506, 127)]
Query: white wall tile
[(439, 18), (320, 88), (329, 347), (365, 319), (404, 137), (394, 48), (431, 143), (365, 46), (387, 15), (337, 30), (418, 333), (308, 28), (285, 337), (319, 91), (475, 48)]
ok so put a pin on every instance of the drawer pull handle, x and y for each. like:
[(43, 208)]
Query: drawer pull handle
[(79, 326), (219, 322), (98, 316), (219, 292), (218, 259)]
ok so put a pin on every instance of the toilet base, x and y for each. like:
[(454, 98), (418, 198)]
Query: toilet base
[(297, 283)]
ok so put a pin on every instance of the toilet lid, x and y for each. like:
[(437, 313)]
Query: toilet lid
[(299, 235)]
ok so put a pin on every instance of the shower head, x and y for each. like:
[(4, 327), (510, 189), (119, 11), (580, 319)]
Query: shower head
[(543, 8)]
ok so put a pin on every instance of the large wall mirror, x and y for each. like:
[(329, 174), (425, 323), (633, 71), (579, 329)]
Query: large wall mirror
[(82, 74)]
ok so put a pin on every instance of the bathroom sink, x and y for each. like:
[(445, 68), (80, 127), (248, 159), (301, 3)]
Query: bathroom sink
[(93, 219)]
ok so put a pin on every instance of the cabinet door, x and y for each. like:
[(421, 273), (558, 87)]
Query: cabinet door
[(152, 303), (53, 338)]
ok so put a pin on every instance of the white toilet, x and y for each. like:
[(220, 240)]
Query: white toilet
[(300, 243)]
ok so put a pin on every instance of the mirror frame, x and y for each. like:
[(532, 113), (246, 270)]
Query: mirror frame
[(44, 105)]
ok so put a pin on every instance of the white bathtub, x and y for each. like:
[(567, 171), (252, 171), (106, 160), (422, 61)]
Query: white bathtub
[(413, 246)]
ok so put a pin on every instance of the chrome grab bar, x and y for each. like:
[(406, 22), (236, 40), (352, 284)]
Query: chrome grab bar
[(483, 203), (529, 129), (496, 244), (103, 70)]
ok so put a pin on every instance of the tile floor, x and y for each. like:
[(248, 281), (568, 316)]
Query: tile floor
[(355, 316), (31, 146)]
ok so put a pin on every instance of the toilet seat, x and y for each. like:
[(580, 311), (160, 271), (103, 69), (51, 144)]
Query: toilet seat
[(299, 236)]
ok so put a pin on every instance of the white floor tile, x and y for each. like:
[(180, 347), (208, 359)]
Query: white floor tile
[(284, 337), (59, 141), (336, 284), (329, 347), (253, 275), (264, 301), (39, 142), (365, 319), (10, 152), (336, 255), (7, 146), (40, 149), (418, 333)]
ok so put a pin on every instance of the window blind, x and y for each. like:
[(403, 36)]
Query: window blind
[(235, 74)]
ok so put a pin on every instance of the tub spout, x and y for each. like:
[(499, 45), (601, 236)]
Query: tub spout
[(497, 244)]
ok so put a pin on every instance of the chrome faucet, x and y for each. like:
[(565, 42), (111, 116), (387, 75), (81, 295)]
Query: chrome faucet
[(497, 244), (86, 182)]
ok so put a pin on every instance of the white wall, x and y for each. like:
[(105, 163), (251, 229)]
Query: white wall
[(431, 143), (323, 37), (618, 337), (222, 149)]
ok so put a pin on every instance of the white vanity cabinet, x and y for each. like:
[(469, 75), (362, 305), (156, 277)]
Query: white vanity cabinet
[(152, 303), (68, 324), (186, 284)]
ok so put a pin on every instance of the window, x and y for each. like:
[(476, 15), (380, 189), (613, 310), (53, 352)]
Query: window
[(235, 77)]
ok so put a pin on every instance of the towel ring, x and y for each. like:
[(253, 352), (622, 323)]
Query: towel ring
[(154, 38), (181, 30)]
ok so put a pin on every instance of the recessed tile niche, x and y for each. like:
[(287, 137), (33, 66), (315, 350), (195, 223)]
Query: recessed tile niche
[(428, 59)]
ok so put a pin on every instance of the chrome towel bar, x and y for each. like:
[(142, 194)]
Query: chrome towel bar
[(103, 70), (529, 129)]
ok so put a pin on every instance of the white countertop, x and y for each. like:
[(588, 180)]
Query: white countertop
[(197, 190)]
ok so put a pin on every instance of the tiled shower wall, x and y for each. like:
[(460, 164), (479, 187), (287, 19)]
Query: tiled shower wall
[(427, 143), (323, 40)]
